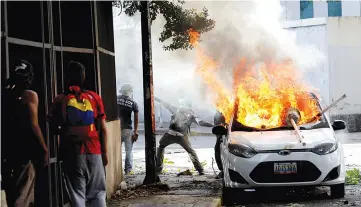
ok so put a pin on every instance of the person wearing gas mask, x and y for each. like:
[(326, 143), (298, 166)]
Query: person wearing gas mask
[(219, 120), (178, 133), (127, 106)]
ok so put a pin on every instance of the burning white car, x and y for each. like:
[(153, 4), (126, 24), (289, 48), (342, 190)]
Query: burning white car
[(309, 155)]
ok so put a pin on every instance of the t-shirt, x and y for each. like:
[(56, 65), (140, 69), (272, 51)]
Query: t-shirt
[(126, 107), (182, 120), (91, 145)]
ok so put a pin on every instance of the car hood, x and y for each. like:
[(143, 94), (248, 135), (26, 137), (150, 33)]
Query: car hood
[(285, 139)]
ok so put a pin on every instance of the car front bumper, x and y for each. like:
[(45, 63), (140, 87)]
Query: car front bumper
[(258, 170)]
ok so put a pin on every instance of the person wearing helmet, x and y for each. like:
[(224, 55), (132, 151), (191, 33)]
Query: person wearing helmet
[(127, 106), (178, 133), (23, 146)]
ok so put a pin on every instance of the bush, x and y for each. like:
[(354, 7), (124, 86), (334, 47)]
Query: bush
[(353, 177)]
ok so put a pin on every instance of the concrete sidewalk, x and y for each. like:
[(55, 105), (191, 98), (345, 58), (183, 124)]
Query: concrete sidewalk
[(178, 201), (185, 191)]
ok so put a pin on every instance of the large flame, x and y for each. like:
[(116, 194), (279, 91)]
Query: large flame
[(261, 94)]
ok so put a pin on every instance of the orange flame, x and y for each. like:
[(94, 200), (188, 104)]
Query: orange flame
[(258, 99)]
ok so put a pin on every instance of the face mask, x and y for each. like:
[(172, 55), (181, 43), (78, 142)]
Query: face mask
[(128, 94)]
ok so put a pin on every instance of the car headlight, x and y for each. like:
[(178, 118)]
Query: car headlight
[(241, 150), (325, 148)]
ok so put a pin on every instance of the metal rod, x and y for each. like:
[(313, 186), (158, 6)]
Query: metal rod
[(45, 98), (299, 135), (332, 104), (6, 40), (328, 108), (149, 122)]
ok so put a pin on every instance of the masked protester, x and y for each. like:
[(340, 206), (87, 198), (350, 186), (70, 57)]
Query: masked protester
[(79, 116), (127, 106), (219, 120), (22, 142), (178, 133)]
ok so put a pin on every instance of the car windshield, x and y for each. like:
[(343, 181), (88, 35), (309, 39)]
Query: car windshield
[(321, 123)]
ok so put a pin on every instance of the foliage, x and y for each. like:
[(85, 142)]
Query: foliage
[(167, 161), (204, 163), (353, 177), (178, 20)]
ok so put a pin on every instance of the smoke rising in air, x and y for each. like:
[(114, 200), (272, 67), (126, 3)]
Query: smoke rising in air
[(249, 29)]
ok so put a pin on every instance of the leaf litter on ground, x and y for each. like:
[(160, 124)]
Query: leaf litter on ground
[(140, 191)]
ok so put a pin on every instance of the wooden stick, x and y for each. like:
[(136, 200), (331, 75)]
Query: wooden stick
[(299, 135)]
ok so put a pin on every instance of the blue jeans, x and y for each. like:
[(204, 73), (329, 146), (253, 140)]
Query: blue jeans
[(85, 179), (128, 144)]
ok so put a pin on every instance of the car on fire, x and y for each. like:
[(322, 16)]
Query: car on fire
[(256, 158)]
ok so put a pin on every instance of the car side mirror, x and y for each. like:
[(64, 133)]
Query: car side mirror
[(219, 130), (338, 125)]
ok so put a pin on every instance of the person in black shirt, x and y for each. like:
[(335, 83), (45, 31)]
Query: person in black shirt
[(219, 120), (127, 106), (179, 128)]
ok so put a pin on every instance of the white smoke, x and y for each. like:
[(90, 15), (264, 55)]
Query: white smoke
[(250, 29)]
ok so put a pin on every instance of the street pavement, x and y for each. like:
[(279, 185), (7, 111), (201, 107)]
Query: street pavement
[(177, 159)]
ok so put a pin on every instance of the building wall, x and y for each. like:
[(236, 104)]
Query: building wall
[(351, 8), (58, 32), (114, 172), (339, 38), (314, 31), (344, 43), (292, 9)]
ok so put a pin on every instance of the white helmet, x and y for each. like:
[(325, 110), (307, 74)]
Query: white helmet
[(126, 90), (183, 103)]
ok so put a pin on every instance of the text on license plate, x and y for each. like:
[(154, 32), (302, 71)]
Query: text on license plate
[(285, 168)]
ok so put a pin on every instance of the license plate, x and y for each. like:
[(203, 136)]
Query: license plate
[(285, 168)]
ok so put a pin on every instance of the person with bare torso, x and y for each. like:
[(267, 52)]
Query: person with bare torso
[(23, 148)]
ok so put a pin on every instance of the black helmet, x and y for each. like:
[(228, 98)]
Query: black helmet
[(24, 71), (22, 75)]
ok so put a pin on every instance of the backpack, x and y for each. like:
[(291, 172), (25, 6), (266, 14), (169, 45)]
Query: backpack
[(78, 113), (75, 119), (181, 121)]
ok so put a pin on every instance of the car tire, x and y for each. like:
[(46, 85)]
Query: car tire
[(231, 196), (338, 191)]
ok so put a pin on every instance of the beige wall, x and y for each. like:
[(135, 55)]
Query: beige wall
[(344, 51), (114, 168)]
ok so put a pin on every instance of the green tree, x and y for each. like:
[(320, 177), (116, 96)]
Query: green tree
[(178, 20)]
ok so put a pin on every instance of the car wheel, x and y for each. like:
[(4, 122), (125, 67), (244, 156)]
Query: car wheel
[(231, 196), (338, 191)]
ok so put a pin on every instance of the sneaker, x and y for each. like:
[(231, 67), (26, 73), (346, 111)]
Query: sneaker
[(128, 172)]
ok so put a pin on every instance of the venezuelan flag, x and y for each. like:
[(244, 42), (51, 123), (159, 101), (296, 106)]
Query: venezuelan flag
[(80, 113)]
